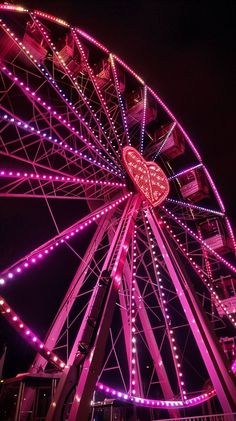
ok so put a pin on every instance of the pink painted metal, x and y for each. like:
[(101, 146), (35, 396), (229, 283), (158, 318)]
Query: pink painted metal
[(70, 146), (224, 384)]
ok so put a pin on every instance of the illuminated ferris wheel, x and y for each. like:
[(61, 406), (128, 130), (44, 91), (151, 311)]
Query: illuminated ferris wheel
[(144, 271)]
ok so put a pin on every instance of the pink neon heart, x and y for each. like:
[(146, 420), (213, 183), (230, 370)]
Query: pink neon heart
[(147, 176)]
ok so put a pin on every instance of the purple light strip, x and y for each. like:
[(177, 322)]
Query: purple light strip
[(196, 237), (185, 171), (173, 117), (29, 128), (201, 274), (144, 118), (191, 206), (120, 99), (60, 21), (165, 312), (231, 233), (30, 93), (142, 82), (74, 79), (39, 346), (196, 400), (133, 353), (221, 206), (165, 140), (41, 252), (214, 189), (50, 80)]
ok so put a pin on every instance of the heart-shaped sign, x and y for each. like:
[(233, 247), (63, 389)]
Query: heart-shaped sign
[(147, 176)]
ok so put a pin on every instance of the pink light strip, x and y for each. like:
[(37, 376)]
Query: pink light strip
[(92, 40), (144, 118), (133, 348), (129, 69), (173, 117), (50, 356), (200, 273), (74, 79), (13, 8), (191, 206), (51, 18), (196, 400), (185, 171), (55, 178), (120, 99), (30, 93), (51, 81), (196, 237), (98, 90), (41, 252), (165, 312), (231, 233), (28, 335), (164, 141), (214, 189)]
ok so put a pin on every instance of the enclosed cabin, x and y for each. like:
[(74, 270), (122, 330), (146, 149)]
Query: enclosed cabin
[(9, 48), (27, 396), (194, 185), (225, 288), (34, 42), (104, 75), (229, 347), (170, 141), (215, 235), (135, 108), (70, 55)]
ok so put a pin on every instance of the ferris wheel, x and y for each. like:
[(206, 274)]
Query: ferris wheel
[(134, 250)]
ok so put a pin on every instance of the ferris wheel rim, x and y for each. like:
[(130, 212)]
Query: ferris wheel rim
[(59, 21)]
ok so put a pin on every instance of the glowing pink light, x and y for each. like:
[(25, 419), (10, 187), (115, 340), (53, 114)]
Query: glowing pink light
[(192, 206), (69, 104), (36, 255), (196, 237), (158, 403), (64, 146), (199, 271)]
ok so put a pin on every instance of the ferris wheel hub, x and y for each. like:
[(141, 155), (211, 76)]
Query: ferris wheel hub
[(147, 176)]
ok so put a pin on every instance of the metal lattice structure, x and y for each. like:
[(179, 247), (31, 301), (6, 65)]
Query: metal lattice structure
[(152, 299)]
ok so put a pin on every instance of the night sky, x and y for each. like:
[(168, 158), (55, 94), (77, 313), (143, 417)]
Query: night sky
[(184, 49)]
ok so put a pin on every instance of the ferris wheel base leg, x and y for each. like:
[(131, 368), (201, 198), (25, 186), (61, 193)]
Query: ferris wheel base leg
[(212, 355), (65, 388)]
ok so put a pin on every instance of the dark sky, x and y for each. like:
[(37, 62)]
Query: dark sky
[(185, 50)]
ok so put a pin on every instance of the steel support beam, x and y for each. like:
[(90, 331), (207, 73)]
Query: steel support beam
[(87, 355), (152, 344), (210, 350)]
